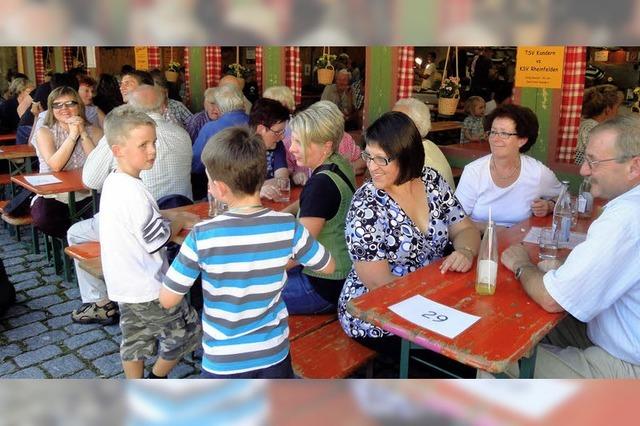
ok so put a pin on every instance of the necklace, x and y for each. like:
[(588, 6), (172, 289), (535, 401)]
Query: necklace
[(244, 208), (513, 172)]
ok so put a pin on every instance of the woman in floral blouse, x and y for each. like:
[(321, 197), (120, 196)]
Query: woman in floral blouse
[(402, 220)]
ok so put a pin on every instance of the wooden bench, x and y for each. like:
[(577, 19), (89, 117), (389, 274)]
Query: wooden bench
[(328, 353), (17, 222), (301, 325), (5, 179), (83, 251), (93, 266)]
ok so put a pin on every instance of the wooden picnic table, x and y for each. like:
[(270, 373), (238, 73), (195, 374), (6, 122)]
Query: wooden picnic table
[(19, 159), (443, 126), (471, 150), (71, 182), (8, 137), (510, 325)]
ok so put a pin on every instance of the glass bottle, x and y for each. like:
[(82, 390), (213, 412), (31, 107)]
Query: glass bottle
[(562, 214), (487, 270), (585, 199)]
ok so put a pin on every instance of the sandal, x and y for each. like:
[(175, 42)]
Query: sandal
[(90, 313)]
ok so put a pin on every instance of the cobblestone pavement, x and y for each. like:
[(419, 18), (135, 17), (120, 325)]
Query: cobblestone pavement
[(37, 337)]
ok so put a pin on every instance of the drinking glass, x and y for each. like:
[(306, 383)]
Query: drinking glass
[(548, 243), (216, 206), (284, 190)]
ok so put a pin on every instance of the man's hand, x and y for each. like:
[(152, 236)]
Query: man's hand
[(514, 257)]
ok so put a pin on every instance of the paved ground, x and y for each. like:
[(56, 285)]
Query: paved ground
[(37, 337)]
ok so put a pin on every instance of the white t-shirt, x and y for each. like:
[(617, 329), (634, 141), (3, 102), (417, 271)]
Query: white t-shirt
[(477, 191), (600, 284), (132, 239)]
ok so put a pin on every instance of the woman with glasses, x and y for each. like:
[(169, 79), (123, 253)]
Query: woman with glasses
[(62, 143), (315, 136), (268, 118), (401, 220), (511, 184)]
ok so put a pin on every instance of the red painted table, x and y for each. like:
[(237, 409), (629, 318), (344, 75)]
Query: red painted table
[(510, 325), (71, 182)]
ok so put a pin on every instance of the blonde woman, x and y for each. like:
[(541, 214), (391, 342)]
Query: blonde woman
[(300, 174), (62, 143), (315, 135)]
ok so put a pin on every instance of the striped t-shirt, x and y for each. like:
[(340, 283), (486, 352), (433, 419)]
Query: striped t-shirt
[(243, 262)]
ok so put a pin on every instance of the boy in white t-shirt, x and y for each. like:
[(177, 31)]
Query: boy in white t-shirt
[(133, 234)]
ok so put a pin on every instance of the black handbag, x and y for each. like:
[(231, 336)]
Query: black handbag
[(20, 204)]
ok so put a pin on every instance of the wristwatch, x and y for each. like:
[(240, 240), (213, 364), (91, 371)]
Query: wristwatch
[(520, 270)]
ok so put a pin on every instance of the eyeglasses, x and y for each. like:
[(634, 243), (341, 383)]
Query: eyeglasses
[(380, 161), (593, 163), (60, 105), (279, 133), (501, 135)]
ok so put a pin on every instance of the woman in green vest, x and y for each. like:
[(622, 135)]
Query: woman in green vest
[(322, 207)]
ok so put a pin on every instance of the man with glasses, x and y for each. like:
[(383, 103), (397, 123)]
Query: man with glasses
[(599, 283)]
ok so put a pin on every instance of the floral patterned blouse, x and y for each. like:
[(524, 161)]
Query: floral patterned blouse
[(378, 229)]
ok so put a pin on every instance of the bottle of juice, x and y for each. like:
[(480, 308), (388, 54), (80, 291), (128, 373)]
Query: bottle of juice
[(487, 272)]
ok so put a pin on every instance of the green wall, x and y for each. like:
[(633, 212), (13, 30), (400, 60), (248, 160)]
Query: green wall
[(380, 82), (196, 77), (272, 66)]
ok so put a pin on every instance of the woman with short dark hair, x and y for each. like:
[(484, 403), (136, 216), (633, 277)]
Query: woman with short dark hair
[(512, 185), (400, 221)]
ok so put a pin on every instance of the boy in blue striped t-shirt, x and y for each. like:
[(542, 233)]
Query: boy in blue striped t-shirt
[(243, 255)]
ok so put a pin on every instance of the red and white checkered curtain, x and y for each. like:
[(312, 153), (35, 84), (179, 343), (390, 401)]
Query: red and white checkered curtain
[(39, 64), (293, 72), (405, 71), (67, 58), (212, 65), (259, 68), (153, 53), (575, 65), (187, 77)]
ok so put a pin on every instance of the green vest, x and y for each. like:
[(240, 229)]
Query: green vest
[(332, 234)]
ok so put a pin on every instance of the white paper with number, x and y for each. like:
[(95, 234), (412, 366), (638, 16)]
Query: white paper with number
[(434, 316), (575, 238), (42, 180)]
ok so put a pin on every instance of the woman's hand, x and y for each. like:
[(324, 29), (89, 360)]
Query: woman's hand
[(269, 189), (299, 178), (76, 126), (458, 261), (541, 208)]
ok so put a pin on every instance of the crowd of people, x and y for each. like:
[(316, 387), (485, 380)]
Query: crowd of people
[(145, 151)]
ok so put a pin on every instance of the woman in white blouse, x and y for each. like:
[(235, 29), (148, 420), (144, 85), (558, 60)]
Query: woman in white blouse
[(512, 184)]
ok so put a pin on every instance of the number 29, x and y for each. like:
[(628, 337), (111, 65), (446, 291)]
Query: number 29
[(435, 317)]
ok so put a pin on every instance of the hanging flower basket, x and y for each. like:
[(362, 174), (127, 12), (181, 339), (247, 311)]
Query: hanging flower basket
[(171, 76), (325, 75), (448, 106), (325, 69)]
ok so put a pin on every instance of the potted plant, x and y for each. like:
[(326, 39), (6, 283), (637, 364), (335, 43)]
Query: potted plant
[(171, 74), (449, 96), (325, 69), (238, 71)]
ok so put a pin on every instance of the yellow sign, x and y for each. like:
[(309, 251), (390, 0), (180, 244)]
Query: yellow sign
[(540, 66), (142, 58)]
